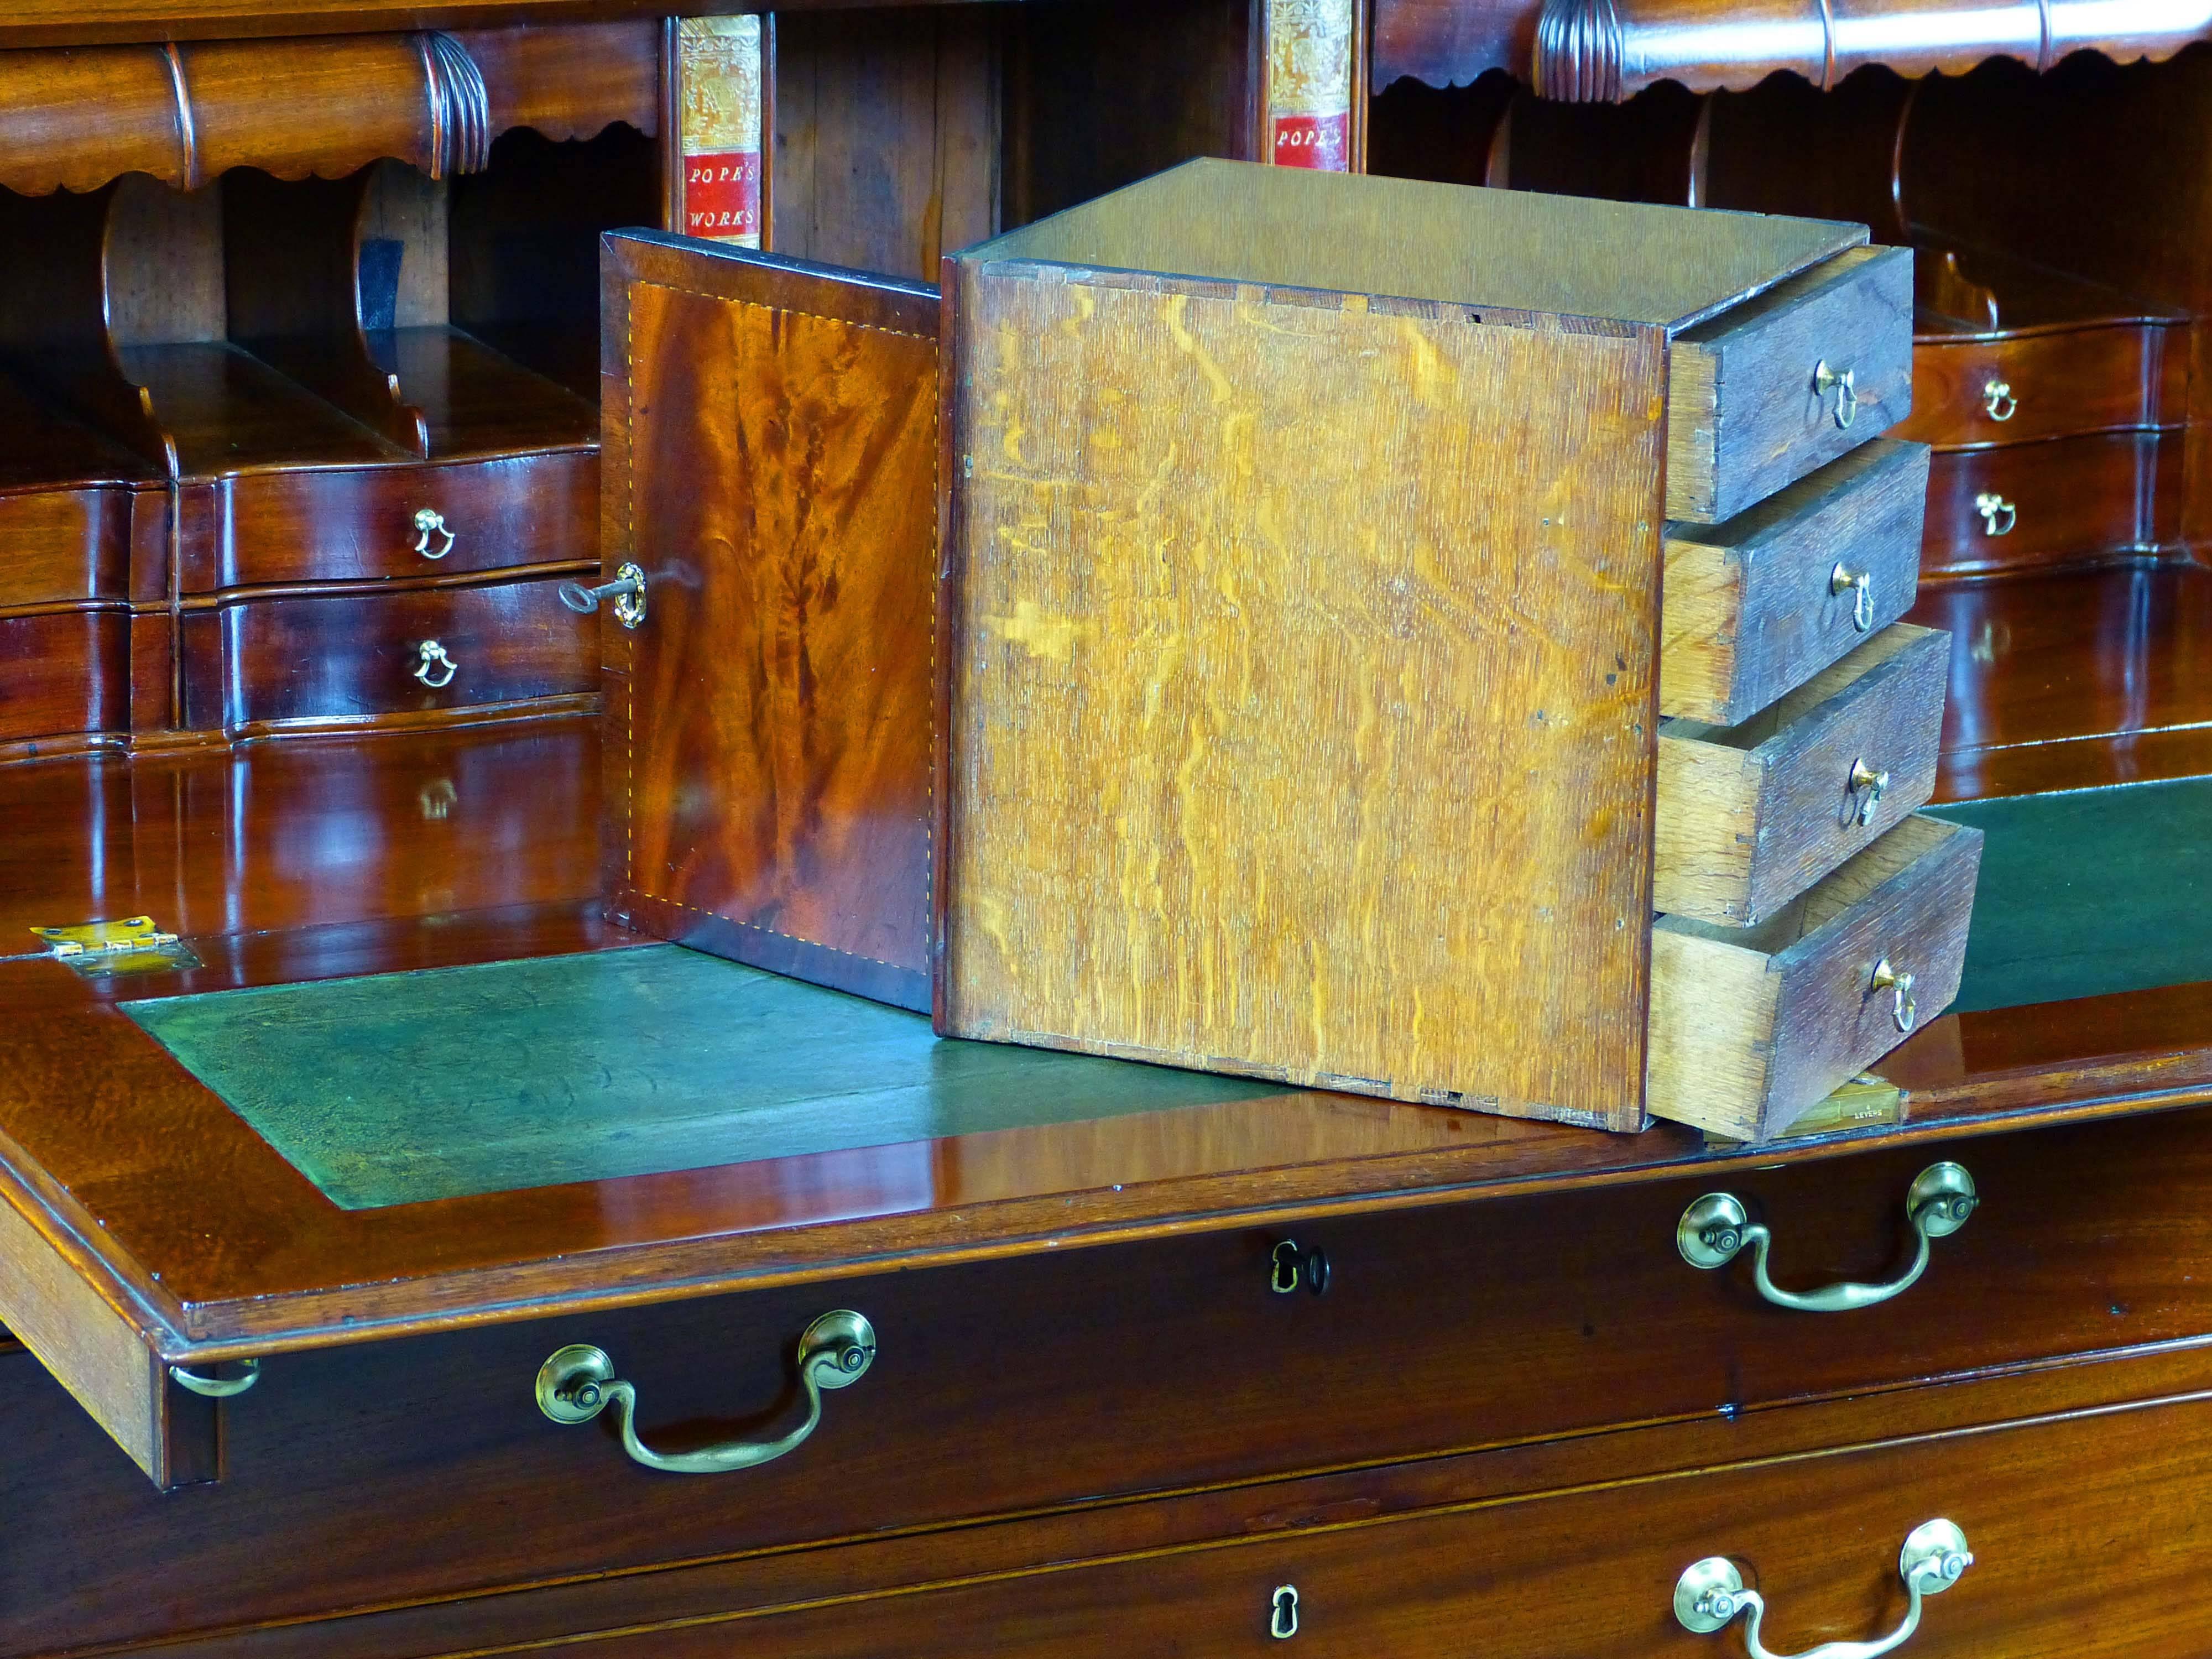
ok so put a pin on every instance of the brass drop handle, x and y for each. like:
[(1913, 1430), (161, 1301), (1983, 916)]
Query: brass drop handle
[(1283, 1613), (1845, 580), (1866, 787), (1711, 1592), (1289, 1267), (428, 523), (1715, 1228), (1844, 385), (577, 1383), (1886, 977), (1993, 507), (627, 590), (433, 659), (1997, 400)]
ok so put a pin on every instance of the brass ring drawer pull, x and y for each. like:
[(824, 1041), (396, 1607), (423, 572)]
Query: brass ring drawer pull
[(433, 659), (1715, 1228), (1993, 507), (1865, 786), (428, 523), (218, 1388), (577, 1383), (1845, 580), (1886, 977), (1711, 1592), (1997, 400), (1844, 386)]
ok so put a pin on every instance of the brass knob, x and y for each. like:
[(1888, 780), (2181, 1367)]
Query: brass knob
[(1993, 507), (1845, 389), (428, 523), (577, 1383), (1717, 1228), (1711, 1592), (1997, 400), (433, 659)]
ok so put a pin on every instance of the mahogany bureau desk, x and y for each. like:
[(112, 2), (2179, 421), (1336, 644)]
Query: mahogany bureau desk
[(1091, 1359)]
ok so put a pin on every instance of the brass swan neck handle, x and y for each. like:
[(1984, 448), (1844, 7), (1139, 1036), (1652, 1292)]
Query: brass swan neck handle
[(1711, 1592), (577, 1383), (1717, 1228)]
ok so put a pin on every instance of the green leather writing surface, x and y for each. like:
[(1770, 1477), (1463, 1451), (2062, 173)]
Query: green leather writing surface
[(399, 1088), (2089, 892)]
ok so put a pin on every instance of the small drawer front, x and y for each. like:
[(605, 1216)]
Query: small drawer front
[(65, 673), (369, 522), (2087, 1536), (1787, 382), (1757, 606), (1751, 1027), (1973, 393), (1750, 816), (61, 544), (2035, 506), (2089, 1239), (345, 658)]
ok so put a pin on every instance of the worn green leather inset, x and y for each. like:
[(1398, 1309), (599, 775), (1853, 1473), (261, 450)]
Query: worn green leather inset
[(2087, 892), (398, 1088)]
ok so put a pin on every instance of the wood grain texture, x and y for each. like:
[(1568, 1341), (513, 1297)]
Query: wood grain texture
[(1230, 694), (358, 524), (2063, 382), (1750, 816), (2073, 501), (65, 672), (569, 80), (1744, 417), (1750, 609), (1750, 1028), (772, 465), (265, 662)]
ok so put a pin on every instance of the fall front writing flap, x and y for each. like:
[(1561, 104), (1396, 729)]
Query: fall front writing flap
[(770, 470)]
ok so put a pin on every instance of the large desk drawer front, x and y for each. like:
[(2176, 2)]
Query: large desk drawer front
[(1090, 1374), (2088, 1537)]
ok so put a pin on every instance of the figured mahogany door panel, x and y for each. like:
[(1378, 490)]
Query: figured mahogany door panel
[(1973, 392), (342, 658), (1754, 607), (1751, 1027), (65, 673), (2067, 501), (1750, 816), (2088, 1536), (1064, 1379), (306, 524), (1747, 409), (771, 468)]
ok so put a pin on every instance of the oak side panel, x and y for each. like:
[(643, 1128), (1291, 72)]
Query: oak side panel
[(775, 476), (1276, 618)]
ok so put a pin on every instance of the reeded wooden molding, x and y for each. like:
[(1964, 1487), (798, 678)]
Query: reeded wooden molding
[(74, 120), (1605, 50)]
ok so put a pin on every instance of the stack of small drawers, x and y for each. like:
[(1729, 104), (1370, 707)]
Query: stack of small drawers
[(1810, 921)]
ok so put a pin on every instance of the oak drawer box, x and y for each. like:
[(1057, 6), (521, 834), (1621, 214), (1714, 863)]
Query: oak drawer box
[(1750, 816), (336, 657), (1608, 1325), (1755, 607), (357, 524), (1750, 1026)]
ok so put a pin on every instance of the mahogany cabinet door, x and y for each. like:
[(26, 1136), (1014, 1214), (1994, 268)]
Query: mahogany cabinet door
[(770, 470)]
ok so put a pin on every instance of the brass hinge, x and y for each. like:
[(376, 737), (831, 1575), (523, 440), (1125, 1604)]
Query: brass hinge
[(133, 945)]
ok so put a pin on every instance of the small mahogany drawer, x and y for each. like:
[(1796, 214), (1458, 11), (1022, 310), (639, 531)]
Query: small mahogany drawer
[(2085, 1535), (65, 672), (1968, 393), (343, 658), (1750, 1026), (2064, 502), (347, 524), (1785, 383), (1755, 607), (1089, 1374), (60, 544), (1750, 816)]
